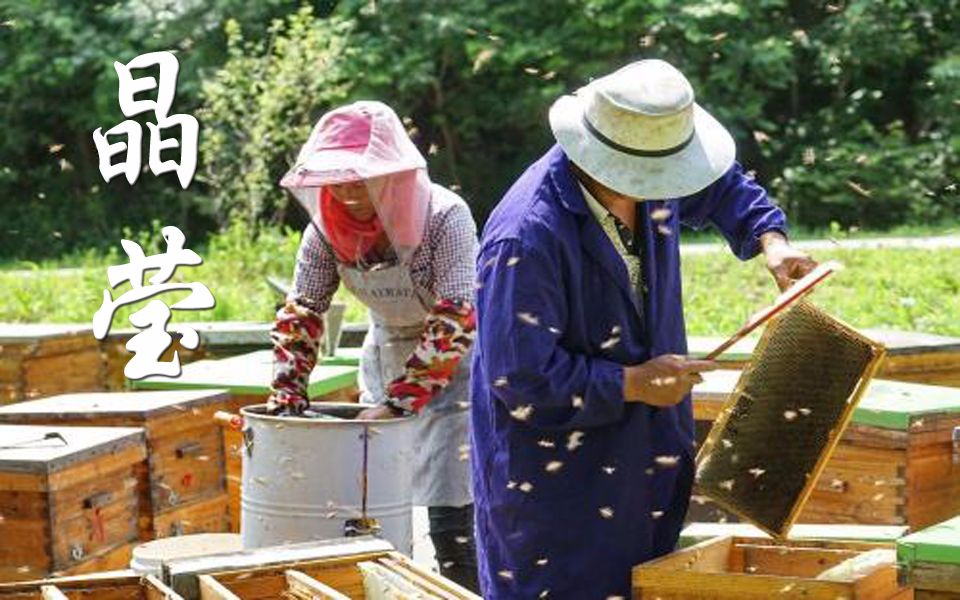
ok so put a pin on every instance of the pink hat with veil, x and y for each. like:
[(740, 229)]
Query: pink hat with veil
[(363, 142)]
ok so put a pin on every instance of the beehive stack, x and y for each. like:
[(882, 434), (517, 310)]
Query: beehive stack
[(911, 356), (247, 379), (68, 498), (896, 463), (42, 360), (930, 561), (182, 483)]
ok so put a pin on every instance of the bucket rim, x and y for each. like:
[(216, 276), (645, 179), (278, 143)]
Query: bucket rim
[(258, 412)]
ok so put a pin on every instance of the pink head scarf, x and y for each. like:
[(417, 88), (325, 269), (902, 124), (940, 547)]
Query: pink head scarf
[(363, 141)]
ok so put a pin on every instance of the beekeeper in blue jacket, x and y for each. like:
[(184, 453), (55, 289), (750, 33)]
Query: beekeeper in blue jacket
[(583, 436)]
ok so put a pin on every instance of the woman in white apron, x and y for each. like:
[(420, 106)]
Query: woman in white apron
[(405, 248)]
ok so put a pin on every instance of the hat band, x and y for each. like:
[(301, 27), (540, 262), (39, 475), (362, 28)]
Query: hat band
[(636, 151)]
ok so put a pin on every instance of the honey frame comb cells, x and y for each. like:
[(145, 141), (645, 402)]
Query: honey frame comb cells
[(785, 416)]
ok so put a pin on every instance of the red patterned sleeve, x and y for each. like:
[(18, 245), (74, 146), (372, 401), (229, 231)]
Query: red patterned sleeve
[(445, 340), (296, 345)]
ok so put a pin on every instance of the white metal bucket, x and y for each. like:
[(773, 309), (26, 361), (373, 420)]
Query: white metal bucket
[(303, 477)]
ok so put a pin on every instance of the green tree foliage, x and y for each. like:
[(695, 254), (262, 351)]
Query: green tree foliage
[(58, 84), (260, 107), (846, 109)]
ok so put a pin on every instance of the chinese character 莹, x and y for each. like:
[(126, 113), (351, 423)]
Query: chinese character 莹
[(149, 345), (166, 89)]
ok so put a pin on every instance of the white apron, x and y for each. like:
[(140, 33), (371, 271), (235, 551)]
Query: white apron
[(397, 313)]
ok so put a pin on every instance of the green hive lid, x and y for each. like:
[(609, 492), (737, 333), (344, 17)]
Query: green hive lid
[(700, 346), (247, 374), (895, 404), (344, 356), (939, 544), (912, 342), (12, 333)]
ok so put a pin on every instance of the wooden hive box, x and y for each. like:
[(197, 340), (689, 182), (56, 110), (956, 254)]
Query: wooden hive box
[(183, 486), (695, 533), (329, 570), (42, 360), (896, 463), (930, 561), (735, 568), (247, 379), (68, 498), (911, 356), (113, 585)]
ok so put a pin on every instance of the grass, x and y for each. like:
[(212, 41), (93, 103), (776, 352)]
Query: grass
[(913, 289)]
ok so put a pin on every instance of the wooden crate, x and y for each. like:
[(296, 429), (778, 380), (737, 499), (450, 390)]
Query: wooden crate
[(734, 568), (68, 495), (896, 463), (247, 379), (911, 356), (930, 561), (320, 570), (114, 585), (42, 360), (185, 463)]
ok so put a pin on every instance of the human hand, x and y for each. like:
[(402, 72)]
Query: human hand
[(664, 380), (785, 263), (286, 406)]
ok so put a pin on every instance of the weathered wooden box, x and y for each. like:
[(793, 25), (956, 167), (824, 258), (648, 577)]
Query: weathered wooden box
[(329, 570), (183, 486), (42, 360), (897, 463), (734, 568), (113, 585), (247, 378), (68, 497), (911, 356), (930, 561)]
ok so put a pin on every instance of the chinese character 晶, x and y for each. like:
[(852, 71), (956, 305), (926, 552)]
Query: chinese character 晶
[(149, 345), (166, 87)]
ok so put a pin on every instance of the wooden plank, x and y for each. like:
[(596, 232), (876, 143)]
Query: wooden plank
[(211, 589), (154, 589), (446, 584), (302, 586), (801, 562), (934, 577), (421, 582)]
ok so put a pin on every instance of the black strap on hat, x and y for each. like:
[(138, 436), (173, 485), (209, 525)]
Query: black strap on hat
[(636, 151)]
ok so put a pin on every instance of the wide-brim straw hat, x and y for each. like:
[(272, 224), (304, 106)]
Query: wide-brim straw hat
[(639, 132)]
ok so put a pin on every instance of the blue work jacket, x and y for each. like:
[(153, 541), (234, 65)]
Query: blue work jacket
[(572, 485)]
